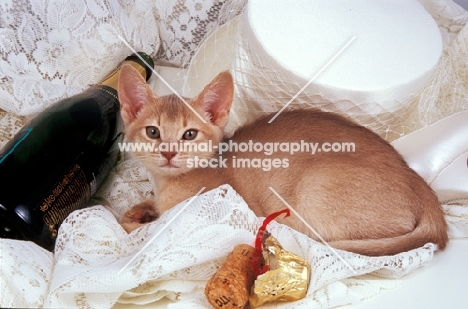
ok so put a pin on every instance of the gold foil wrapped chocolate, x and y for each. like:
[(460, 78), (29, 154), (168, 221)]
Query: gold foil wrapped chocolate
[(287, 279)]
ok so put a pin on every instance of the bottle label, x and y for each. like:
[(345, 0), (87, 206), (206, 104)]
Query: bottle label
[(70, 193)]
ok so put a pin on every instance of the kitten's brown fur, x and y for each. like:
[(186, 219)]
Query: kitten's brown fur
[(368, 201)]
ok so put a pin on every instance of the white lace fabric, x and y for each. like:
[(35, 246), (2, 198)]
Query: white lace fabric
[(89, 267), (53, 49)]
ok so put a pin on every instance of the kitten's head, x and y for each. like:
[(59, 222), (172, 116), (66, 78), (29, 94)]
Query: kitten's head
[(167, 121)]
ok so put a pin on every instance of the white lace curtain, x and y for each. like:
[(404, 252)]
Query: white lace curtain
[(53, 49)]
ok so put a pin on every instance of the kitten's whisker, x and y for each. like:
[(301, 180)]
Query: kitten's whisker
[(313, 230), (163, 80), (312, 79), (162, 229)]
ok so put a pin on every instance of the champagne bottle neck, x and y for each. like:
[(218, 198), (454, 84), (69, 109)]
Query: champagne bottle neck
[(112, 80)]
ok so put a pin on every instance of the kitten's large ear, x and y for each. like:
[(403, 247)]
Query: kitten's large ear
[(133, 92), (216, 98)]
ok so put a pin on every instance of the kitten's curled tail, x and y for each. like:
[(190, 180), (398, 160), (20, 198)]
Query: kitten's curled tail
[(431, 227), (423, 233)]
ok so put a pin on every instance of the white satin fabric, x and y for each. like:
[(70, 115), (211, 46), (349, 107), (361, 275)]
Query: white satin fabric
[(439, 153)]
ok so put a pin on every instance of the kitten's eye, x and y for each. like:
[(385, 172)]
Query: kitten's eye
[(152, 132), (190, 134)]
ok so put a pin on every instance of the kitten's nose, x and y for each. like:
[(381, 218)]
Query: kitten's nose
[(168, 155)]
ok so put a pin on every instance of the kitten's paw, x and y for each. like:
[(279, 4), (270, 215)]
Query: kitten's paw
[(139, 215)]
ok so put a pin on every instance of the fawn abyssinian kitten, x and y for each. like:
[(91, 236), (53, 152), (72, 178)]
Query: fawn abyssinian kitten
[(367, 201)]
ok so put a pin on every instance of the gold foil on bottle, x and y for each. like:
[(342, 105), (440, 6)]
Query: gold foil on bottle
[(112, 80), (287, 279)]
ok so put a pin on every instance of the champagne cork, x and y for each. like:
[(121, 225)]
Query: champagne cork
[(229, 288)]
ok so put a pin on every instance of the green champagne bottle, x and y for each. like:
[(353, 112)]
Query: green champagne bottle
[(55, 163)]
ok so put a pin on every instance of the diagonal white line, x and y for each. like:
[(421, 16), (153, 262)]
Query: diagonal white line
[(313, 78), (313, 231), (161, 230), (163, 80)]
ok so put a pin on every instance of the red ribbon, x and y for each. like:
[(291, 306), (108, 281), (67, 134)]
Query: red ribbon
[(257, 269)]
